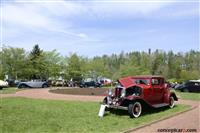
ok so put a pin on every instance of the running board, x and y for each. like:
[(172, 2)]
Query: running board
[(160, 105), (118, 107)]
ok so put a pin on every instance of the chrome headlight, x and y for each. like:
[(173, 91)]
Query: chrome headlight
[(123, 92), (110, 93)]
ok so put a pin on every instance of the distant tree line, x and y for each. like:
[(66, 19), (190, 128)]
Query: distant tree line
[(38, 64)]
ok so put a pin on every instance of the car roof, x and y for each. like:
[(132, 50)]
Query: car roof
[(147, 76), (194, 81), (128, 81)]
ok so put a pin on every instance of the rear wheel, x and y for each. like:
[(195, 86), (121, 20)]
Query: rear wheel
[(135, 109), (171, 102), (44, 86)]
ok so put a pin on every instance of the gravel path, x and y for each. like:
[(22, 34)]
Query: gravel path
[(187, 120), (45, 94)]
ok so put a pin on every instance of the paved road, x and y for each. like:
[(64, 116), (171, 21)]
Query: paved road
[(187, 120)]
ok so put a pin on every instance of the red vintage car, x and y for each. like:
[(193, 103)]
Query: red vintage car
[(136, 92)]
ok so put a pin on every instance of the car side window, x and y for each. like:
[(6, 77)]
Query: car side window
[(142, 81), (192, 84), (156, 81)]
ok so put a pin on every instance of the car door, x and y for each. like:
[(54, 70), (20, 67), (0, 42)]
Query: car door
[(147, 90), (158, 89), (196, 87), (148, 95)]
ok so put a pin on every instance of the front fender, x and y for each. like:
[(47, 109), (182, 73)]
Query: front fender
[(133, 97)]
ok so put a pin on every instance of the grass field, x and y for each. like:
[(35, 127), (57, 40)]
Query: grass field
[(31, 115), (188, 95), (9, 90)]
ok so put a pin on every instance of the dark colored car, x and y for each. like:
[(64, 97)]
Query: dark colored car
[(135, 93), (190, 86), (13, 82), (85, 84)]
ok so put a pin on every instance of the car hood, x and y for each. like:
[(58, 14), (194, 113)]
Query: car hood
[(129, 82), (126, 82)]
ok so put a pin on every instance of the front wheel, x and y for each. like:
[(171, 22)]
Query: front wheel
[(171, 102), (44, 86), (22, 86), (185, 90), (135, 109)]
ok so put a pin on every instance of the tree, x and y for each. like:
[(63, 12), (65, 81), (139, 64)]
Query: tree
[(74, 68), (36, 52), (129, 69), (13, 62), (37, 63), (53, 62)]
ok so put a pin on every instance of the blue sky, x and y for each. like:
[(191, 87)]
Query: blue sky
[(94, 27)]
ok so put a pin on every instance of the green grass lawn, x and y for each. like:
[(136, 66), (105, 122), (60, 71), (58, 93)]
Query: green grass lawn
[(31, 115), (188, 95), (9, 90)]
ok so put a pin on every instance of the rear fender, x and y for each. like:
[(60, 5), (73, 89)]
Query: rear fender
[(174, 96)]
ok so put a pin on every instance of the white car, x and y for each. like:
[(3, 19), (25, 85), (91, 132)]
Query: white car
[(3, 84), (33, 84)]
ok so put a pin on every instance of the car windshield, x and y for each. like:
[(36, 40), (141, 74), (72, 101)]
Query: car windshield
[(142, 81)]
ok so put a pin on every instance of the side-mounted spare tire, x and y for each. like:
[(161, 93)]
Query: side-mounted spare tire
[(135, 109), (105, 102)]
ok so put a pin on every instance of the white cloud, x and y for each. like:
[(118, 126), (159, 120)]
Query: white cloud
[(24, 16), (39, 17), (186, 13), (125, 9), (50, 15), (57, 16)]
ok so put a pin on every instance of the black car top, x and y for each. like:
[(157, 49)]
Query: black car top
[(191, 86)]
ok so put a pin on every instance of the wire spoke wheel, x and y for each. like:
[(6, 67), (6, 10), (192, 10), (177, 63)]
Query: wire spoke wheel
[(135, 109), (171, 102)]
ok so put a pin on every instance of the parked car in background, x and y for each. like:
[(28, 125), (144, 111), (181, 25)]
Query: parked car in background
[(89, 83), (33, 84), (13, 82), (3, 84), (190, 86), (59, 83), (105, 81)]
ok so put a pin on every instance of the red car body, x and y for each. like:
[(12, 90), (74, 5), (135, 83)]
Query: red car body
[(135, 92)]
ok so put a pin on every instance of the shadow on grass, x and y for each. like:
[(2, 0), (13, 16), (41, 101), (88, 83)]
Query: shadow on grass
[(146, 111)]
